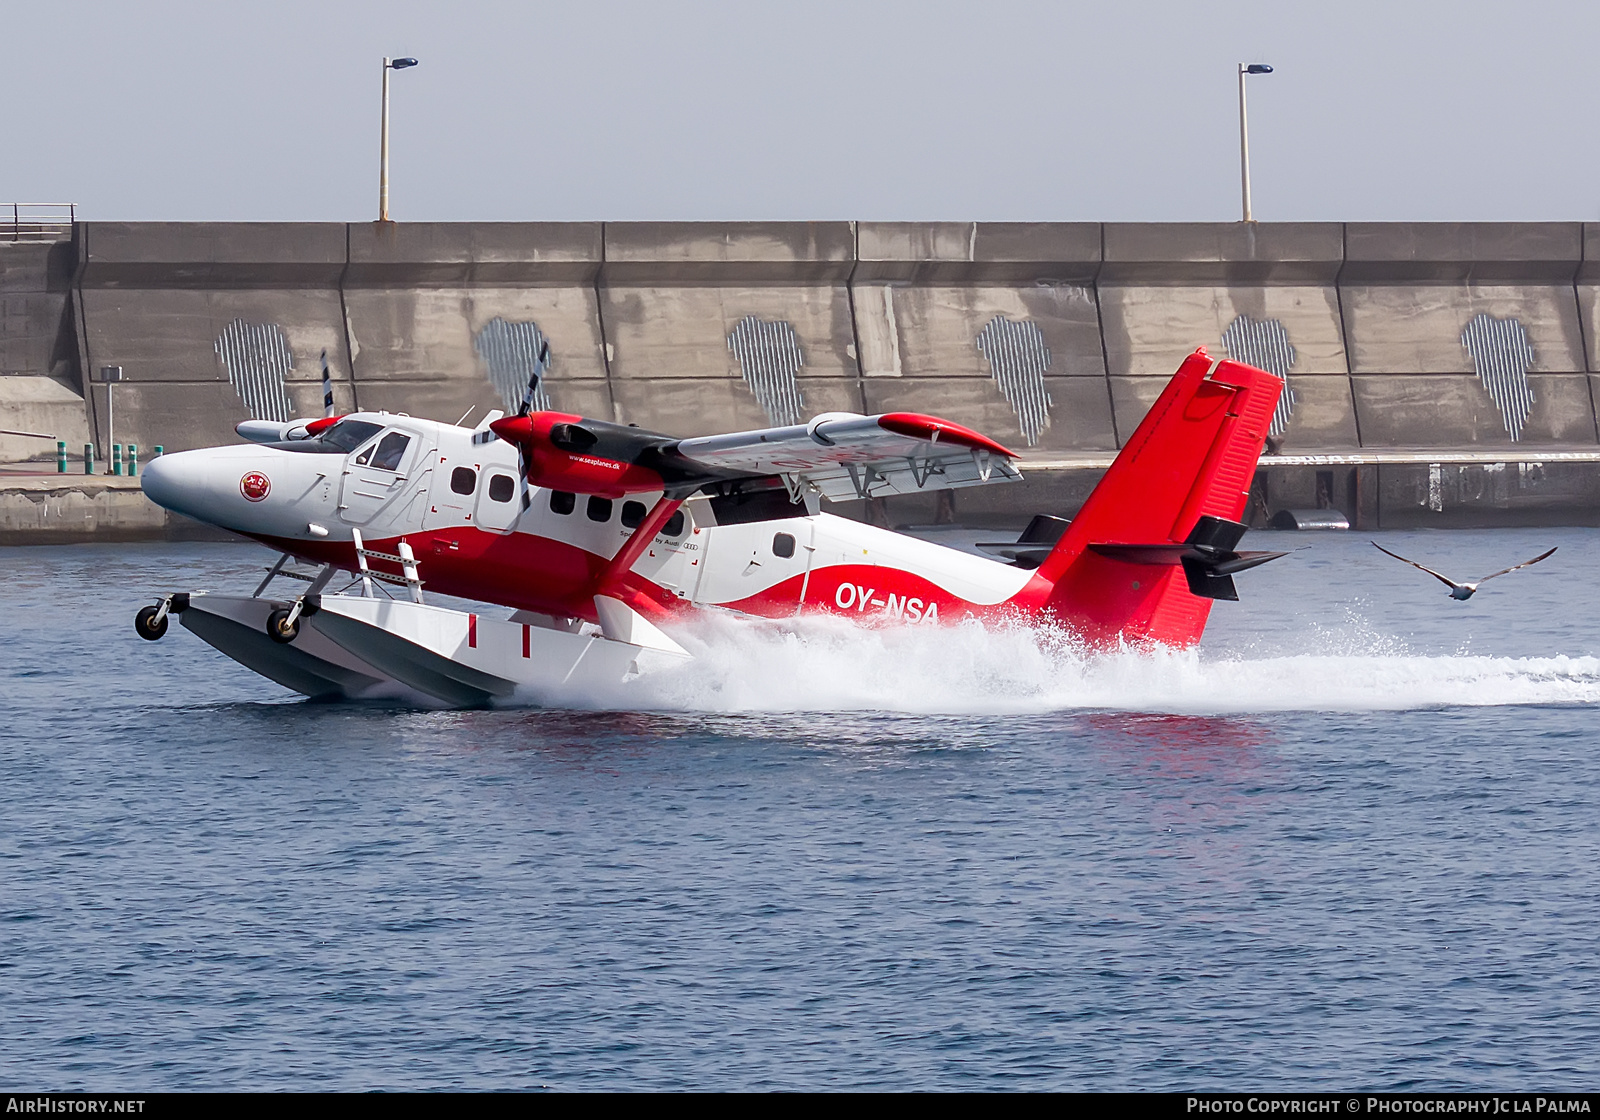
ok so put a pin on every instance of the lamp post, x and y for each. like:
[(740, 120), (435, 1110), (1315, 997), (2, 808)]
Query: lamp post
[(1244, 131), (110, 375), (383, 144)]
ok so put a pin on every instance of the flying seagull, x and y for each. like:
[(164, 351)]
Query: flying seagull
[(1460, 590)]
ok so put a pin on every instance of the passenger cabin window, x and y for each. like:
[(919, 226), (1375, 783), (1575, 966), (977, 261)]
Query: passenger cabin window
[(632, 514), (599, 508), (390, 451), (562, 502), (783, 545), (674, 525), (501, 487), (463, 480)]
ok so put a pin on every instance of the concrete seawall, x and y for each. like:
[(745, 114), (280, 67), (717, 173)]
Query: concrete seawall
[(1439, 374)]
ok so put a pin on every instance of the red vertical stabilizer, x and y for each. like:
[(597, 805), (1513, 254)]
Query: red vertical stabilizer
[(1193, 455)]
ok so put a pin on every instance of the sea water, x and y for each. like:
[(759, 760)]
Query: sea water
[(1346, 844)]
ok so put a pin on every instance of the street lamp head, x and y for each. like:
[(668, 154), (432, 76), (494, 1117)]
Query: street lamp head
[(402, 63), (1253, 68)]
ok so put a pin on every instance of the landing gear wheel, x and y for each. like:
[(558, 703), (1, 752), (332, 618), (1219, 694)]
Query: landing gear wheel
[(148, 625), (280, 629)]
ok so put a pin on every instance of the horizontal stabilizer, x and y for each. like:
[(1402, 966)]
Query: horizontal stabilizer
[(1207, 556), (1034, 546)]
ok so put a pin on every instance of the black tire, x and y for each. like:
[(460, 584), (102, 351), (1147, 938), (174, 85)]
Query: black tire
[(278, 631), (145, 624)]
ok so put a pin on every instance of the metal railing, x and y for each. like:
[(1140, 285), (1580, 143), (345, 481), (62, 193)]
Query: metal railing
[(37, 221)]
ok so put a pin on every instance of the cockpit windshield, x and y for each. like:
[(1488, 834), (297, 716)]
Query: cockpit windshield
[(347, 435)]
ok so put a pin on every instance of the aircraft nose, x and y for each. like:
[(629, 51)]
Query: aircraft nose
[(176, 482)]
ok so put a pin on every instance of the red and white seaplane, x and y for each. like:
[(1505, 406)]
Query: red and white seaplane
[(601, 538)]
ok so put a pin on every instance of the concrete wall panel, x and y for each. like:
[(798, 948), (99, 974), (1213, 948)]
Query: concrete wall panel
[(426, 301), (682, 331), (35, 320), (1323, 416), (412, 334), (1416, 328), (907, 331), (171, 334), (35, 403), (1080, 414), (1150, 330), (1456, 411)]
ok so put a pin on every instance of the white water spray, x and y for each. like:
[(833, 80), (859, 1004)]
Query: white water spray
[(825, 664)]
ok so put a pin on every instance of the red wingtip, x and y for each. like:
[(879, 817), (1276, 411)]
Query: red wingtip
[(317, 427), (918, 426)]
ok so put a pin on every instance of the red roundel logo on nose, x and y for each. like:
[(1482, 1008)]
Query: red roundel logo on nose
[(255, 486)]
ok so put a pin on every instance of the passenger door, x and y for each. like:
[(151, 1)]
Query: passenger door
[(453, 498), (765, 565), (499, 500)]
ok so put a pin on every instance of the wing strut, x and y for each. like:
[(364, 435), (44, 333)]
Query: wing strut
[(611, 579)]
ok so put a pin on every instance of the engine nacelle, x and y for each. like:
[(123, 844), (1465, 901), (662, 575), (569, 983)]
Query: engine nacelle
[(565, 452), (273, 431)]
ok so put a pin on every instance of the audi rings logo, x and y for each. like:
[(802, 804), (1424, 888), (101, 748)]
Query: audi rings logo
[(255, 486)]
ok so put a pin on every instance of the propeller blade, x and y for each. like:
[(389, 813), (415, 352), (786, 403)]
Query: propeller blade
[(539, 365), (327, 387)]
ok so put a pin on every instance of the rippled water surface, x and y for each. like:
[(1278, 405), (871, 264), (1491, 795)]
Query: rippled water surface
[(1349, 844)]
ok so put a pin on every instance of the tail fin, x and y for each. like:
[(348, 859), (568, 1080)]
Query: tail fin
[(1126, 565)]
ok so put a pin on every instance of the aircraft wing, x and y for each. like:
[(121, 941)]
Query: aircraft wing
[(845, 456)]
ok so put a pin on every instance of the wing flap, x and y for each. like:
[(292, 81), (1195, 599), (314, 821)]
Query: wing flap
[(844, 456)]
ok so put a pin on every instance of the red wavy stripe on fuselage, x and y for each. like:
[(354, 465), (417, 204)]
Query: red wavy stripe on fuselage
[(518, 570), (865, 591)]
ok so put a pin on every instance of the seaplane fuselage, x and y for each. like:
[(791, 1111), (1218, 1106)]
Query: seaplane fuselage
[(480, 532)]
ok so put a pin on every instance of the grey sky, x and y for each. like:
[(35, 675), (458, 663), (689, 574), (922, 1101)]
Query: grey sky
[(807, 109)]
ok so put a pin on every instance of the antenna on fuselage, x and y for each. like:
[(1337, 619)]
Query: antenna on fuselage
[(327, 387)]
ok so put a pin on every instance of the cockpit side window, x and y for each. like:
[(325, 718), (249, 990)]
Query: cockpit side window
[(391, 450), (347, 435)]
